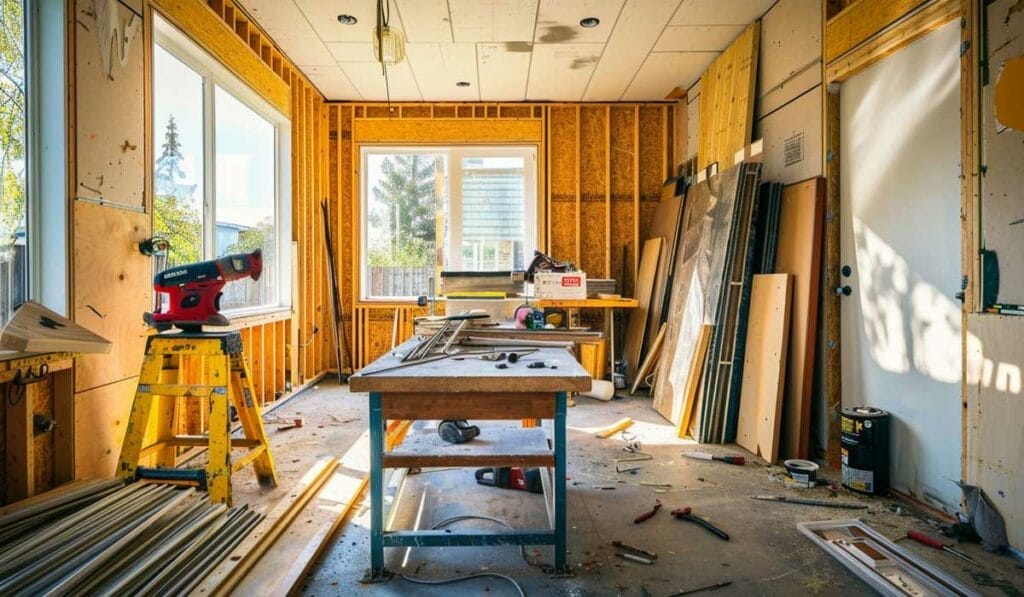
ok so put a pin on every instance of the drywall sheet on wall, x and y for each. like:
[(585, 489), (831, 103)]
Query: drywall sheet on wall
[(900, 235), (995, 408), (110, 119), (792, 139), (1002, 202)]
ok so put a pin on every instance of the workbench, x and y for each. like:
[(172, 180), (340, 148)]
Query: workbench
[(472, 389)]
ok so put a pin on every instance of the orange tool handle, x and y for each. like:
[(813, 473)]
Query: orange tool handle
[(925, 539)]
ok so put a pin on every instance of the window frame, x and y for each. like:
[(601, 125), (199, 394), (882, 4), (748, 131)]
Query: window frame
[(454, 153), (214, 74)]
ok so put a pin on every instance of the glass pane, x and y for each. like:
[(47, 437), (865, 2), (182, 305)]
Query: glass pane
[(406, 192), (245, 203), (178, 169), (13, 258), (493, 225)]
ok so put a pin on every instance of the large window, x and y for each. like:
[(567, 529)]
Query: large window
[(13, 157), (457, 208), (219, 171)]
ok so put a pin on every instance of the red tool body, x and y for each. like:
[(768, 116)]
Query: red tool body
[(930, 541), (194, 290)]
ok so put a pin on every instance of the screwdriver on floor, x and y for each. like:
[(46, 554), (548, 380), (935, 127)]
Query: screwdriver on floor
[(933, 542), (706, 456)]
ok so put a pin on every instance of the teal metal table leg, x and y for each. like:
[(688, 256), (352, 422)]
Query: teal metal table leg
[(377, 572), (561, 567)]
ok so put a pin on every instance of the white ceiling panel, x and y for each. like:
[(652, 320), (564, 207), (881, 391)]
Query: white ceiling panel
[(503, 72), (661, 72), (323, 16), (558, 21), (309, 51), (698, 38), (351, 52), (493, 20), (560, 72), (275, 14), (629, 44), (369, 81), (331, 82), (720, 12), (439, 67), (425, 21)]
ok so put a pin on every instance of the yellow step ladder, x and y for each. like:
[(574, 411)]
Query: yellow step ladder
[(194, 366)]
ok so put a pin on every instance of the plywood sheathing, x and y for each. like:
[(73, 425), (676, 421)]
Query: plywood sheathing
[(727, 94), (594, 196)]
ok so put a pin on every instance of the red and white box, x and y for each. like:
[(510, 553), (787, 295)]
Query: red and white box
[(554, 285)]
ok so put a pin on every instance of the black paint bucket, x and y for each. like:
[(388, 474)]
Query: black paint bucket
[(865, 449)]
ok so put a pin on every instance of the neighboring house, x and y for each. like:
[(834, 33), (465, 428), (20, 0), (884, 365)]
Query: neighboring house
[(227, 235), (492, 220)]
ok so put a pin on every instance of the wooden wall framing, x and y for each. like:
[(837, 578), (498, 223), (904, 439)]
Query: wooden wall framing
[(600, 169), (855, 36)]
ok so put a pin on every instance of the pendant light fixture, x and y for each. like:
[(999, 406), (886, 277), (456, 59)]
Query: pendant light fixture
[(388, 41)]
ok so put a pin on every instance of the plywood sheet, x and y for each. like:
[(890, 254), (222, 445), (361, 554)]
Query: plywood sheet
[(727, 100), (764, 367), (666, 225), (693, 379), (34, 328), (101, 417), (799, 254), (636, 331)]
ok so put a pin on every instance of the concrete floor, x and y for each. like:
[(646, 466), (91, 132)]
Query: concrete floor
[(766, 554)]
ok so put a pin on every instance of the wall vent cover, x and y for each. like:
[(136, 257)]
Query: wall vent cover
[(793, 149)]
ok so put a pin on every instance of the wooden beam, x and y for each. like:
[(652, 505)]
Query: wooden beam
[(892, 38), (426, 131), (861, 20), (20, 461), (64, 414), (832, 383)]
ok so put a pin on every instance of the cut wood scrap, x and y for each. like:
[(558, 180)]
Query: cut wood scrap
[(286, 564), (693, 380), (34, 328), (637, 328), (226, 577), (619, 425)]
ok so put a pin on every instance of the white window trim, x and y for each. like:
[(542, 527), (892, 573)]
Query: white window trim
[(217, 75), (46, 191), (454, 154)]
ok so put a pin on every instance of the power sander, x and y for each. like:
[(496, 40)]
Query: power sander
[(195, 290)]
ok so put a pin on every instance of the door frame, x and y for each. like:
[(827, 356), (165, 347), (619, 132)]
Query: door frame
[(888, 34)]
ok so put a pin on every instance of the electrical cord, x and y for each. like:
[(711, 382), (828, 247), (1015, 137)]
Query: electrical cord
[(455, 579)]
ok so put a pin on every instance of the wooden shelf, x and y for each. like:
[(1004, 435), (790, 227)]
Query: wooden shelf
[(595, 303), (497, 445)]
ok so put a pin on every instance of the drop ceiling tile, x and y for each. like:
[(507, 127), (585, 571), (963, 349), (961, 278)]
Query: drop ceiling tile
[(662, 71), (630, 41), (332, 82), (309, 51), (720, 12), (558, 21), (560, 72), (493, 20), (351, 52), (323, 16), (438, 67), (698, 38), (503, 72), (425, 20), (368, 80), (279, 14)]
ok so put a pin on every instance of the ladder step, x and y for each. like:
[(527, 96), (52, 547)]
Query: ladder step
[(241, 462), (188, 441), (179, 390)]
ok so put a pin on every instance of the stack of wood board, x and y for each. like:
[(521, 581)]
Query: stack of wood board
[(34, 328), (764, 369), (665, 224), (769, 207), (637, 328), (700, 260), (723, 368), (799, 254)]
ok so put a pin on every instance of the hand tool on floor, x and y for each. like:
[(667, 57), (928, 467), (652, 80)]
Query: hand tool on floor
[(810, 502), (194, 291), (707, 456), (714, 587), (650, 513), (687, 514), (633, 558), (930, 541), (511, 477), (650, 555)]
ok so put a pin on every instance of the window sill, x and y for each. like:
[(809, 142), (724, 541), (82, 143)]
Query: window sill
[(247, 319)]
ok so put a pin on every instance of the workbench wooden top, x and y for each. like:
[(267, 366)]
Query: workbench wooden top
[(473, 374), (590, 303)]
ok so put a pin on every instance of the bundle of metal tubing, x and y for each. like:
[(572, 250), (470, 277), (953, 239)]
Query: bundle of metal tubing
[(139, 539)]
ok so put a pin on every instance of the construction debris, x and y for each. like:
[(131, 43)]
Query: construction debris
[(810, 502), (649, 514), (611, 430)]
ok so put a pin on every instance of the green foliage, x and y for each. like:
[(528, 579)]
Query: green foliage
[(405, 206), (12, 119), (251, 239), (174, 215)]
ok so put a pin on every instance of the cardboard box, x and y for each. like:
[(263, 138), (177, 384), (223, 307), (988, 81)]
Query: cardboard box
[(552, 285)]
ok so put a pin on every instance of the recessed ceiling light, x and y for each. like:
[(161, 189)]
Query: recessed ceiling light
[(590, 22), (347, 19), (462, 84)]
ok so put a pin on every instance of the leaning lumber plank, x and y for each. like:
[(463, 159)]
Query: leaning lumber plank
[(225, 577)]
